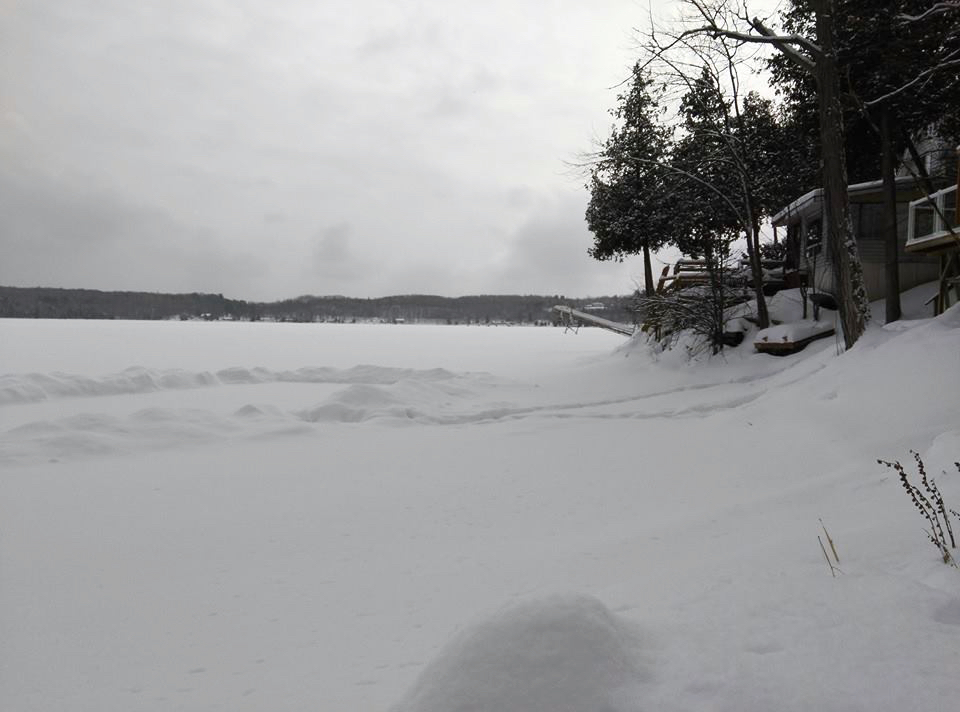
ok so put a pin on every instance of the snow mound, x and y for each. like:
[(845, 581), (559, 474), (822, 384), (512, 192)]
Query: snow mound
[(18, 388), (392, 396), (560, 654), (33, 387), (410, 400), (355, 404), (786, 306), (258, 410), (100, 434)]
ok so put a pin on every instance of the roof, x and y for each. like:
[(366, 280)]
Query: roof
[(806, 202)]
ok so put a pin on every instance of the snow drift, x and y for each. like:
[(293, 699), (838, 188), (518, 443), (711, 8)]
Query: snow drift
[(560, 654)]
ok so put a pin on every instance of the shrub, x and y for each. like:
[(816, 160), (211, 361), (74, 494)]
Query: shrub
[(701, 310), (929, 502)]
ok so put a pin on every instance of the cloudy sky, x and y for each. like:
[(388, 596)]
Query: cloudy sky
[(270, 148)]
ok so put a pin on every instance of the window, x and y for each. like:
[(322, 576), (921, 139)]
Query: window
[(814, 236), (931, 218), (950, 208)]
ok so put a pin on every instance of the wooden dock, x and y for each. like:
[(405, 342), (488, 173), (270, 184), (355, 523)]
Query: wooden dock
[(570, 315)]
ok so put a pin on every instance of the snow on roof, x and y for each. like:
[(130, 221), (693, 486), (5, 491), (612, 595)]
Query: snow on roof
[(813, 197)]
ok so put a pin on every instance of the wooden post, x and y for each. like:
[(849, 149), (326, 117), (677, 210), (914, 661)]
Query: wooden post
[(950, 262)]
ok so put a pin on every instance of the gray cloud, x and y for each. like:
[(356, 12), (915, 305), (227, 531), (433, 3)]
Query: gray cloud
[(198, 144), (549, 253), (56, 233), (413, 33), (333, 257)]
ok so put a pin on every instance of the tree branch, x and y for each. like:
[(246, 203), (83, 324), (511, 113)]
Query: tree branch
[(781, 42), (937, 9), (785, 43), (709, 186), (917, 79)]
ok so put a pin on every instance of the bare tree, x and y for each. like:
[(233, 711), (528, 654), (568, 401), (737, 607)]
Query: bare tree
[(723, 20), (711, 71)]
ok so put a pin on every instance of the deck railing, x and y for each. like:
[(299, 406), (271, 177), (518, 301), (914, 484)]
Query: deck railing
[(932, 221)]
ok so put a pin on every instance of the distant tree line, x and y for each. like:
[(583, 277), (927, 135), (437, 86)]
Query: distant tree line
[(51, 303)]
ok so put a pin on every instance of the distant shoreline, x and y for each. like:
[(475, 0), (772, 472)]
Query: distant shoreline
[(60, 303)]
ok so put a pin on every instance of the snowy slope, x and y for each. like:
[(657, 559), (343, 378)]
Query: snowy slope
[(247, 517)]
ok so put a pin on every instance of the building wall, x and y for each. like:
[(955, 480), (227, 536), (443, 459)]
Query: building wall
[(938, 156), (867, 219), (911, 275)]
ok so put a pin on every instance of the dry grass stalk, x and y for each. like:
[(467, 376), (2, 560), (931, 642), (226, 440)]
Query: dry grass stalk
[(833, 547), (833, 569), (929, 502)]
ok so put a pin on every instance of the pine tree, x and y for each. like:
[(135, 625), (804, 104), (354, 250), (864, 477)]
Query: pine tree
[(628, 212), (741, 153)]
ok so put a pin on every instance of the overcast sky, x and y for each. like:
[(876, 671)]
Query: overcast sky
[(270, 148)]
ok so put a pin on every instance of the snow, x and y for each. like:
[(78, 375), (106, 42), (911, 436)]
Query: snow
[(205, 516), (794, 331), (572, 652), (786, 310)]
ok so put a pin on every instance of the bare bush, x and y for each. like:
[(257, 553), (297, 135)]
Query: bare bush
[(700, 310), (929, 502)]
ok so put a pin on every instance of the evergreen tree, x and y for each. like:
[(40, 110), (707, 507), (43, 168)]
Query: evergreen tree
[(708, 214), (629, 210), (739, 155)]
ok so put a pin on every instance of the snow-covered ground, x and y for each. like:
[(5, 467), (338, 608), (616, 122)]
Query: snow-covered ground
[(227, 516)]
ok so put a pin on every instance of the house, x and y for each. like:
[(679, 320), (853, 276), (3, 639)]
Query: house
[(808, 260)]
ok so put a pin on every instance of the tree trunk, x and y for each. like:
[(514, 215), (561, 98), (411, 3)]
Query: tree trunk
[(714, 267), (892, 252), (756, 271), (648, 287), (849, 286), (753, 254)]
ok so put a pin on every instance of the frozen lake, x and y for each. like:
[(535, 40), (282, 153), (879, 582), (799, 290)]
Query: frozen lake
[(234, 516), (94, 348)]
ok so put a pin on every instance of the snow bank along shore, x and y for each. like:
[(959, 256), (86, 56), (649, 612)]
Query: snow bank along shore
[(206, 516)]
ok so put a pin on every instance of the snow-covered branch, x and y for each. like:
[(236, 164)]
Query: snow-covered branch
[(938, 8), (706, 184), (952, 60), (785, 43), (792, 46)]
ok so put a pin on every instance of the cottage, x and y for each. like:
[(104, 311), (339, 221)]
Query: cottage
[(808, 259)]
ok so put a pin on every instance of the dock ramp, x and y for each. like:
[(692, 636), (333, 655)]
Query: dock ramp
[(571, 315)]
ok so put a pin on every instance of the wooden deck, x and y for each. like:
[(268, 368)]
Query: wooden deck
[(785, 348), (686, 273)]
